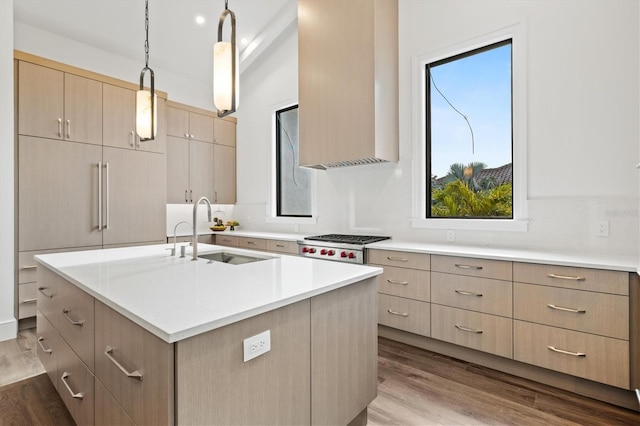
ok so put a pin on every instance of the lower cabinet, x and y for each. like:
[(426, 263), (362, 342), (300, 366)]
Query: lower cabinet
[(75, 386), (409, 315), (263, 244), (107, 411)]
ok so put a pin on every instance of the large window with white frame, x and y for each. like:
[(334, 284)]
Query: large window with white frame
[(471, 171)]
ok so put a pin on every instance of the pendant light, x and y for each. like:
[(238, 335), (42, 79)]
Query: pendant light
[(146, 101), (225, 68)]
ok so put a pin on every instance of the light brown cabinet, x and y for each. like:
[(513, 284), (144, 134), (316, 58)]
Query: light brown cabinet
[(224, 131), (189, 170), (189, 125), (58, 105), (345, 50), (224, 174), (119, 122)]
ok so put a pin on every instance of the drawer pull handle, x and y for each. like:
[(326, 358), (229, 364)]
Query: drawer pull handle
[(29, 267), (578, 354), (461, 266), (42, 289), (281, 245), (65, 311), (562, 308), (468, 293), (134, 375), (566, 277), (467, 329), (78, 395), (40, 339), (398, 282), (397, 259), (401, 314), (253, 243), (34, 300)]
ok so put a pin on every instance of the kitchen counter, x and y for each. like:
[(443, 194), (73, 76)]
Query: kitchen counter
[(176, 298), (561, 258), (283, 236)]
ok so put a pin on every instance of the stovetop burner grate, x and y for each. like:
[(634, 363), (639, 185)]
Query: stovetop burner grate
[(347, 239)]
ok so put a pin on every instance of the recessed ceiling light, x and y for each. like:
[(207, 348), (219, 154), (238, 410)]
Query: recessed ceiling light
[(200, 19)]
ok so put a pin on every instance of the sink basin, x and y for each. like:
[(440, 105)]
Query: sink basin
[(230, 258)]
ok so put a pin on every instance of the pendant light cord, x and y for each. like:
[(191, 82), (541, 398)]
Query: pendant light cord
[(146, 30)]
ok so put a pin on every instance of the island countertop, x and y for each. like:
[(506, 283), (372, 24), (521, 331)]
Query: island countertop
[(176, 298)]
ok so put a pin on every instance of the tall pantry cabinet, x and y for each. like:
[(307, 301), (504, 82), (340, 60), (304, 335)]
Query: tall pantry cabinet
[(84, 180)]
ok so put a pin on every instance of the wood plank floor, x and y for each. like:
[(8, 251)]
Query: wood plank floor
[(416, 387)]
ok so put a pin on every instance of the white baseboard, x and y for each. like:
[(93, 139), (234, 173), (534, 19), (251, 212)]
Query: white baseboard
[(8, 330)]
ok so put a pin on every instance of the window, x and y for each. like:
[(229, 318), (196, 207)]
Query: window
[(293, 183), (469, 136)]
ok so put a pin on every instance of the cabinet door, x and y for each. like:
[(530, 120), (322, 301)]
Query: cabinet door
[(177, 170), (200, 170), (177, 122), (119, 107), (134, 196), (82, 109), (224, 132), (159, 143), (224, 174), (57, 194), (41, 101), (200, 127)]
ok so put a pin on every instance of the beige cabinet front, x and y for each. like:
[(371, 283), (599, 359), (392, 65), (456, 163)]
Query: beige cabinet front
[(224, 132), (224, 174), (189, 170), (189, 125)]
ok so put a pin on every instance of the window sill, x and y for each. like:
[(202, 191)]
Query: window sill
[(508, 225), (292, 220)]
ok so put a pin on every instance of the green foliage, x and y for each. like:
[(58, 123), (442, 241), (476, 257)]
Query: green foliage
[(463, 199)]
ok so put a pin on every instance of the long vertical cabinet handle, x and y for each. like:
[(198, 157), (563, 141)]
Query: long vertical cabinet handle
[(100, 196), (106, 168), (132, 139), (68, 129), (186, 197), (59, 127)]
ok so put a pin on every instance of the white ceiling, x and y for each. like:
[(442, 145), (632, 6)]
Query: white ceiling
[(176, 42)]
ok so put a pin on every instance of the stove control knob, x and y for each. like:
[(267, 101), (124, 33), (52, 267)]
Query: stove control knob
[(343, 254), (304, 249), (331, 252), (323, 252), (352, 255), (312, 250)]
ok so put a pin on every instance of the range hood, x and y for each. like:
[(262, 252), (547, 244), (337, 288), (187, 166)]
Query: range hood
[(347, 82)]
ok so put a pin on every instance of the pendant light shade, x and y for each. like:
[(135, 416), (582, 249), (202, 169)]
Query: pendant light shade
[(225, 68), (146, 100)]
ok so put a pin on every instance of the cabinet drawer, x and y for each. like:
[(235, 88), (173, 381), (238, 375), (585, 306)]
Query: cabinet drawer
[(596, 313), (107, 411), (48, 347), (75, 386), (483, 268), (252, 243), (281, 246), (226, 240), (615, 282), (75, 321), (48, 294), (135, 367), (408, 283), (27, 266), (483, 332), (603, 359), (471, 293), (405, 314), (27, 300), (399, 258)]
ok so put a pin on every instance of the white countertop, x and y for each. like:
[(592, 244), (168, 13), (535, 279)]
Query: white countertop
[(176, 298), (562, 258), (250, 234)]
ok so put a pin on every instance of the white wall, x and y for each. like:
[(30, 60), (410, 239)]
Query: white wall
[(8, 324), (583, 107)]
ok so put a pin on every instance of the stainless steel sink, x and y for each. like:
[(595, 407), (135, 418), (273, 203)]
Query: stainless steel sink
[(230, 258)]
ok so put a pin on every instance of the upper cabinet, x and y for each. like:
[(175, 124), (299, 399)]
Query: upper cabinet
[(224, 131), (348, 82), (58, 105), (188, 124), (119, 130)]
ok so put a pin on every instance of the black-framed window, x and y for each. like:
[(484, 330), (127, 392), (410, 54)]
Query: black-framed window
[(293, 183), (469, 134)]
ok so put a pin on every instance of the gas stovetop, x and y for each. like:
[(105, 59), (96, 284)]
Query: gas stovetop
[(347, 239)]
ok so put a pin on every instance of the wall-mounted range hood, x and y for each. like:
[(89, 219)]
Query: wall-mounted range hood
[(348, 82)]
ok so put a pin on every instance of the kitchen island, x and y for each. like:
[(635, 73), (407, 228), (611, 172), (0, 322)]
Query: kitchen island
[(134, 335)]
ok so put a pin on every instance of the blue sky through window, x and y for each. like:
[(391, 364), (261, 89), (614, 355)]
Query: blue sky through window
[(479, 86)]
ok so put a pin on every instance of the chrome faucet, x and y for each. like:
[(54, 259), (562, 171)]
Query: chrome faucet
[(195, 232), (173, 252)]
